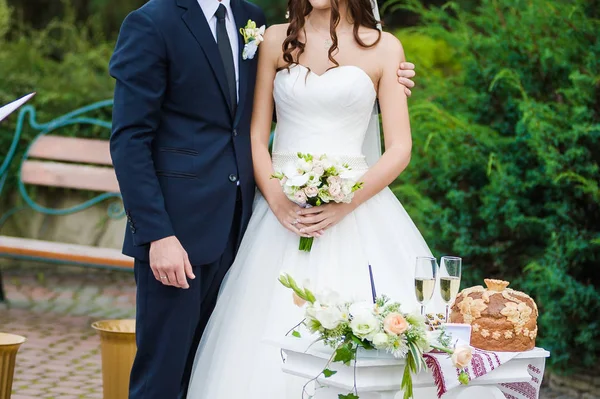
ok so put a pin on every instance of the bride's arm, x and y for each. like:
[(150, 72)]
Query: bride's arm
[(260, 130), (398, 141)]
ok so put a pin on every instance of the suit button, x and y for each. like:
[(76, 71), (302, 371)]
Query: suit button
[(235, 133), (233, 178)]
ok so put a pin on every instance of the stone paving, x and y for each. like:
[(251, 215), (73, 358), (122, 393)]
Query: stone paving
[(54, 307), (54, 311)]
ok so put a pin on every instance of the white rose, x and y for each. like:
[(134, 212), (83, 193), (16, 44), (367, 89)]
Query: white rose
[(380, 340), (324, 195), (304, 165), (289, 191), (364, 324), (330, 317), (313, 180), (347, 188)]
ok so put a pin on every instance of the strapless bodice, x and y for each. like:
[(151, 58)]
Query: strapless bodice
[(322, 114)]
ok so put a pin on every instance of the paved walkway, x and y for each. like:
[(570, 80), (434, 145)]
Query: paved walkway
[(54, 307), (54, 310)]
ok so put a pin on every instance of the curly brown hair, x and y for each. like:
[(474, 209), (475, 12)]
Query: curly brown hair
[(360, 12)]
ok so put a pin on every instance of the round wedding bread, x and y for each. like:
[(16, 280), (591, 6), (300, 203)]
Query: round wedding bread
[(501, 319)]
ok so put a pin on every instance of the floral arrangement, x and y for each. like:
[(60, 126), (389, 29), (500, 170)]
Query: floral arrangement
[(347, 326), (314, 181), (253, 36)]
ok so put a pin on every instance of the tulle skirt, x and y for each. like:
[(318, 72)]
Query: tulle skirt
[(234, 359)]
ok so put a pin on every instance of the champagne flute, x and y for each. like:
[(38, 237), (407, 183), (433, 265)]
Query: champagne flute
[(450, 273), (425, 274)]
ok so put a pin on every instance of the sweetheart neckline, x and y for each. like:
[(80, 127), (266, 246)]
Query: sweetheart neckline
[(363, 72)]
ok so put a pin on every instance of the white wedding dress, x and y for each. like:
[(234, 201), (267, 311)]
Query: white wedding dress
[(317, 114)]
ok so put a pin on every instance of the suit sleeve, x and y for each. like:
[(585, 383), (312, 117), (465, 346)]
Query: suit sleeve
[(139, 67)]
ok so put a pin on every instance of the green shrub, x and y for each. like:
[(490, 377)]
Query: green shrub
[(506, 157), (66, 64)]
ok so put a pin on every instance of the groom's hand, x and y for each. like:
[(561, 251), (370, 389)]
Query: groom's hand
[(405, 75), (170, 263)]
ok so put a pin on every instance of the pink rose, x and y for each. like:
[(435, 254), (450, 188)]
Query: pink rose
[(311, 192), (335, 190), (300, 198), (318, 168), (334, 181), (395, 323)]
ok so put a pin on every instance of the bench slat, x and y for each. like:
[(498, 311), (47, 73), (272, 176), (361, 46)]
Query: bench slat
[(64, 252), (93, 178), (71, 149)]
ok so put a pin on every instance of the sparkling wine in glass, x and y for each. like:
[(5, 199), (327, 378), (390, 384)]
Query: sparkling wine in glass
[(425, 274), (450, 273)]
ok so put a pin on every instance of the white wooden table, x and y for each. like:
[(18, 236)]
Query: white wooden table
[(379, 378)]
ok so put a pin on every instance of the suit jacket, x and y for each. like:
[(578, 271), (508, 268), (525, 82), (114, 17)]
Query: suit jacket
[(178, 152)]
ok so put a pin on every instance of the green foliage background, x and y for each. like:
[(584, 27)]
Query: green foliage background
[(506, 128), (505, 169)]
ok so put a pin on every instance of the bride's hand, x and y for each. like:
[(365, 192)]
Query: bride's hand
[(320, 218), (288, 214)]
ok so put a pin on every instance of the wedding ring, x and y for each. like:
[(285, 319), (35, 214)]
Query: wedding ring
[(295, 222), (163, 277)]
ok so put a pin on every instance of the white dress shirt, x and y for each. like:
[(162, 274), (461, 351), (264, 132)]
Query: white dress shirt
[(209, 8)]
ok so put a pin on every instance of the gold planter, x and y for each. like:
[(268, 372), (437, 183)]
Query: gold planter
[(9, 346), (117, 340)]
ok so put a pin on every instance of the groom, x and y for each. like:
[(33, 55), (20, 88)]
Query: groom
[(181, 151)]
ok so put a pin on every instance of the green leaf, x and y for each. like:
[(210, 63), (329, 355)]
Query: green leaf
[(328, 373), (344, 354), (351, 395), (296, 334), (406, 383)]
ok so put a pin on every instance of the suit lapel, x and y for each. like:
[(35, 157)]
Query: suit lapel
[(196, 22), (241, 19)]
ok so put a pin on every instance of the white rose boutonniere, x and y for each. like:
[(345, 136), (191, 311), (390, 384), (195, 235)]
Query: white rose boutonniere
[(253, 36)]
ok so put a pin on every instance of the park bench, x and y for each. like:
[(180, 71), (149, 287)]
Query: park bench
[(69, 163)]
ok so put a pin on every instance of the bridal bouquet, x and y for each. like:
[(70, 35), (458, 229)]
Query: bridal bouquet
[(347, 326), (313, 181)]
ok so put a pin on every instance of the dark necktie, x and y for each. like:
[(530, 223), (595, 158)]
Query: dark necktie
[(226, 56)]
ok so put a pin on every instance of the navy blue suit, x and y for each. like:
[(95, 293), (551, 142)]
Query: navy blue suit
[(184, 166)]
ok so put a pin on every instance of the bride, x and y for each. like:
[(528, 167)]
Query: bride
[(324, 72)]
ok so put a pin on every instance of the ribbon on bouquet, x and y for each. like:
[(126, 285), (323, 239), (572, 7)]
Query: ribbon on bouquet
[(445, 374)]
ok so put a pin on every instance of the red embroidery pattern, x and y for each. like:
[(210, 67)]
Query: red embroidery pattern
[(524, 388), (478, 365)]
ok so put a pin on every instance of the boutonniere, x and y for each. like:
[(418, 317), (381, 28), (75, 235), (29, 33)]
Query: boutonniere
[(253, 36)]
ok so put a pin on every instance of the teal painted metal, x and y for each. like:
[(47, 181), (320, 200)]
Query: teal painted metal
[(115, 210)]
